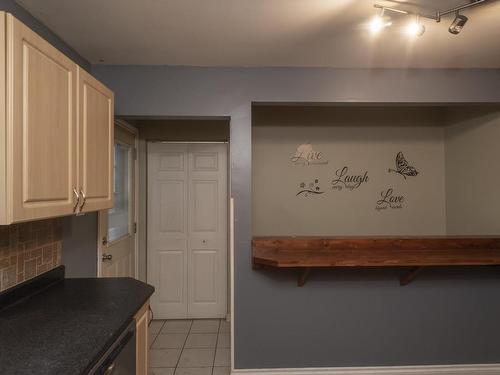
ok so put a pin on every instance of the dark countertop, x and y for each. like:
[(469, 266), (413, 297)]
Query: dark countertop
[(67, 327)]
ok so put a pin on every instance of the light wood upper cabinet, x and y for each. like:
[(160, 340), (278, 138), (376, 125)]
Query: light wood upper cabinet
[(96, 124), (56, 130), (41, 126)]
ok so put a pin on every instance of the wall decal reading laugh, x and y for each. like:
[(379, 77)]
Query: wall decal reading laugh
[(312, 188), (348, 181), (402, 167), (389, 200), (306, 155)]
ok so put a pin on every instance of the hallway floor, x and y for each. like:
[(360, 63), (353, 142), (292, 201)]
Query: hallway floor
[(189, 347)]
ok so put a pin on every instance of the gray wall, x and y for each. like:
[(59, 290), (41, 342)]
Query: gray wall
[(363, 139), (472, 179), (24, 16), (79, 254), (340, 318)]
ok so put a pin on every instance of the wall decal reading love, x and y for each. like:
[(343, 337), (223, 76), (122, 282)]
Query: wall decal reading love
[(306, 155), (343, 179), (389, 200)]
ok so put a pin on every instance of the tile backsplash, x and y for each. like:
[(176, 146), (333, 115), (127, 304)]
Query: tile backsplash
[(28, 250)]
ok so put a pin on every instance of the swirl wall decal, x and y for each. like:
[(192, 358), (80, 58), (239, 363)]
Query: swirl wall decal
[(310, 188)]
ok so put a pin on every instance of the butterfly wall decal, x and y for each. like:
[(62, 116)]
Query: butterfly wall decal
[(402, 167)]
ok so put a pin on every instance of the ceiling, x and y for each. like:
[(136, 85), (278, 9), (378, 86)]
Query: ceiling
[(291, 33)]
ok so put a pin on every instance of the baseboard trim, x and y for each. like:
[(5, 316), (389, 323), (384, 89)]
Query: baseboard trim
[(490, 369)]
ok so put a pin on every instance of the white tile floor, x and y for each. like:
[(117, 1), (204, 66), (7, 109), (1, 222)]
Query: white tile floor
[(189, 347)]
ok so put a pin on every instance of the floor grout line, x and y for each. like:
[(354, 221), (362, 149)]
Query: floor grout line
[(215, 351), (183, 346), (156, 336)]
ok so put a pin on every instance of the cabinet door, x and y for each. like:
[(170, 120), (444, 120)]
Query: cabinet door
[(142, 340), (42, 126), (96, 120)]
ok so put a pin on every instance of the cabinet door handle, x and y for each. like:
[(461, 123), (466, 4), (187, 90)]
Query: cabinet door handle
[(84, 199), (77, 196), (110, 369)]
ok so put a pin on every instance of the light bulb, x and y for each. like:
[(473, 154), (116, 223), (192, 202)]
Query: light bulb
[(415, 28), (378, 23)]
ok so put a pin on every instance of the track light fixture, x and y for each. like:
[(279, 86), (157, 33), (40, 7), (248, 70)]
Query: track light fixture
[(415, 27), (458, 23)]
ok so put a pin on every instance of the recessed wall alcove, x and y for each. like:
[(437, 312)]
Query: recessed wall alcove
[(412, 172)]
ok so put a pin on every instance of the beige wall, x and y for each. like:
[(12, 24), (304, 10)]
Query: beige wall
[(364, 139), (472, 171)]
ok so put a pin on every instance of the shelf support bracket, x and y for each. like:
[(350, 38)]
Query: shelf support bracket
[(410, 276), (303, 275)]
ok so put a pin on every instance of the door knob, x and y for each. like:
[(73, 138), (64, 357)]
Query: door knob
[(106, 257)]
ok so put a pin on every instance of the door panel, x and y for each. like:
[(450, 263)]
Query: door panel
[(204, 205), (172, 215), (187, 235), (41, 155), (44, 165), (172, 276), (96, 124), (207, 287), (171, 161), (171, 281), (204, 275), (205, 161), (167, 229)]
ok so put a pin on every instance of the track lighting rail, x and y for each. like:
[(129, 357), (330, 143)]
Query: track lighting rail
[(437, 16), (458, 9), (407, 12)]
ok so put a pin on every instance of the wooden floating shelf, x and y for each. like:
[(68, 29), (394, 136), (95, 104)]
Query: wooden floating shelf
[(305, 253)]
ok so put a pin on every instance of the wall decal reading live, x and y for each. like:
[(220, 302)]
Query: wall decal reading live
[(402, 167), (306, 155), (389, 200), (312, 188), (348, 181)]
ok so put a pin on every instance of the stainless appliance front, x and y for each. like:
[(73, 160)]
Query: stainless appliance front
[(120, 357)]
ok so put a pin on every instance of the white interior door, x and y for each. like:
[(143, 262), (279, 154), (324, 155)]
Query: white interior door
[(187, 229), (117, 229)]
